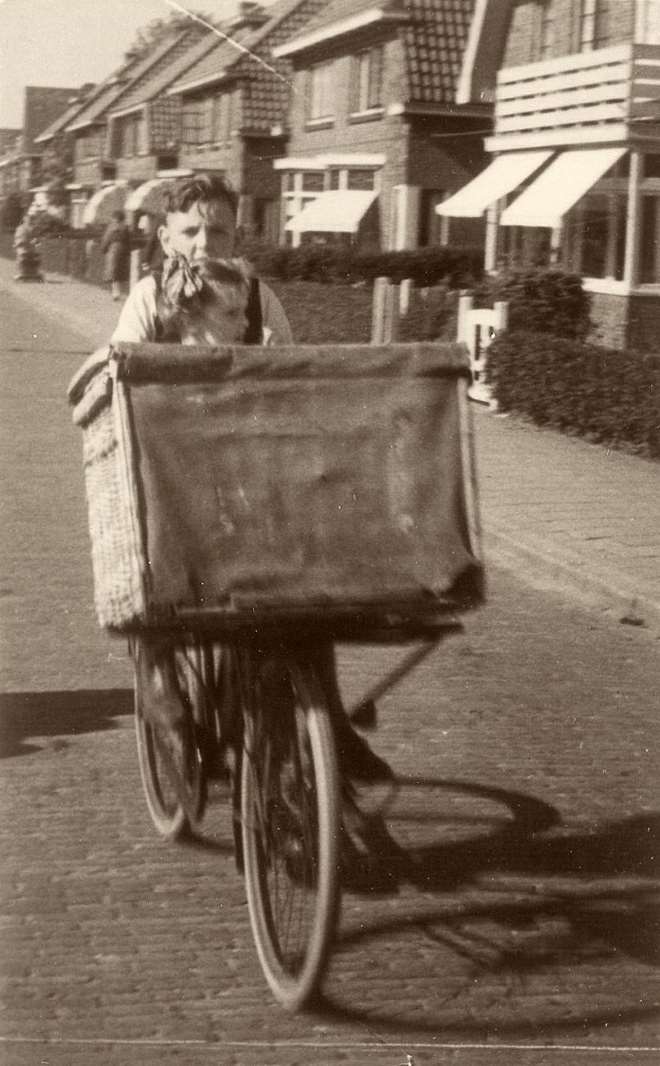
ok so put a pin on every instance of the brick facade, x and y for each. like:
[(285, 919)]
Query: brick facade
[(424, 149), (525, 36), (626, 321)]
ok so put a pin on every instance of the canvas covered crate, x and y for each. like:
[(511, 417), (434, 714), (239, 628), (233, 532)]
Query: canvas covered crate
[(241, 481)]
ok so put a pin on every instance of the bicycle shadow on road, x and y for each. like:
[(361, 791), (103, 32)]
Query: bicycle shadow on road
[(57, 714), (517, 901)]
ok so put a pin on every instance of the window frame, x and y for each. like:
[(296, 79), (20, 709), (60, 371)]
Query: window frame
[(367, 81), (594, 25), (320, 93)]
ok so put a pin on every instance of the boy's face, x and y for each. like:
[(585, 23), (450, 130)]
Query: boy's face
[(204, 231)]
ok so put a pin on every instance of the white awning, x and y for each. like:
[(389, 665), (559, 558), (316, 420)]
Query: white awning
[(501, 177), (560, 186), (100, 206), (338, 211), (149, 196)]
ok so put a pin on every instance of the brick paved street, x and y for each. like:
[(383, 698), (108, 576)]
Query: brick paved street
[(515, 908)]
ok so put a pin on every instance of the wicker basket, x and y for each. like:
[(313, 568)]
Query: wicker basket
[(117, 558)]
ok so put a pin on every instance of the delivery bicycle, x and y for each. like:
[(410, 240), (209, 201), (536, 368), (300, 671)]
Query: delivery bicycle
[(247, 506)]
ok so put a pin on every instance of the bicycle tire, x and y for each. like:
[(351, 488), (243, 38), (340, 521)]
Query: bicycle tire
[(277, 826), (167, 813)]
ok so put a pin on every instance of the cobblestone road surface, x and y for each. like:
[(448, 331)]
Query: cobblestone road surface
[(512, 918)]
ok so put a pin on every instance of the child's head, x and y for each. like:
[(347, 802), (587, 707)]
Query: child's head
[(200, 219)]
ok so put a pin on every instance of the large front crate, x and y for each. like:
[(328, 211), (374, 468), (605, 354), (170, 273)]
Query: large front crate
[(245, 480)]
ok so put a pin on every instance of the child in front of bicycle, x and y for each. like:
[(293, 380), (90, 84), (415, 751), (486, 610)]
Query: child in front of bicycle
[(206, 295)]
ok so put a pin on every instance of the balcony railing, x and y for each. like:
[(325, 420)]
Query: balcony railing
[(610, 94)]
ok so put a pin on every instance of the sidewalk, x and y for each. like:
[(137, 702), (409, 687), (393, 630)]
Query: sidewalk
[(556, 509)]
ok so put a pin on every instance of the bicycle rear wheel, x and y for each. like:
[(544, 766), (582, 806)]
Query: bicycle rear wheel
[(160, 792), (290, 810)]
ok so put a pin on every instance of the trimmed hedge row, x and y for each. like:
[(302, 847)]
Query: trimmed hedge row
[(427, 266), (608, 396), (543, 301)]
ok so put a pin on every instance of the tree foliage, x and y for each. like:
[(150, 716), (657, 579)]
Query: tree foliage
[(154, 31)]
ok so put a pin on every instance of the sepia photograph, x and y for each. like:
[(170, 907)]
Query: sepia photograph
[(330, 532)]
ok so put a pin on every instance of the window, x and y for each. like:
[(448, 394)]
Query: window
[(360, 179), (595, 17), (650, 244), (222, 118), (547, 35), (321, 91), (132, 137), (312, 181), (191, 122), (368, 80)]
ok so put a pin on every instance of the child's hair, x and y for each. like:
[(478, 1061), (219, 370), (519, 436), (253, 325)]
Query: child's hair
[(200, 188), (118, 216)]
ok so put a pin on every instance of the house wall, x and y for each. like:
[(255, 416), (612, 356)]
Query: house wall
[(421, 151), (225, 158), (137, 168), (523, 44)]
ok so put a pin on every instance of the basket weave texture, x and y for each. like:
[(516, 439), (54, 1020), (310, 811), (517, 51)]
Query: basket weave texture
[(113, 527)]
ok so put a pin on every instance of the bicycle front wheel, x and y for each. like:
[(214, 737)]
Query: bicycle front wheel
[(160, 792), (290, 810)]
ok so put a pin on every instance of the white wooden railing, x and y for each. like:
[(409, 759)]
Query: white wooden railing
[(599, 95)]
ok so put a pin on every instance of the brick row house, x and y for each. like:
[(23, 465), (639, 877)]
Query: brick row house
[(234, 109), (128, 130), (376, 136), (575, 172), (20, 164)]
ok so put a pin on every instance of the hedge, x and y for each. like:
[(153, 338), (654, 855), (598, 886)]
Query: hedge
[(426, 266), (543, 301), (608, 396)]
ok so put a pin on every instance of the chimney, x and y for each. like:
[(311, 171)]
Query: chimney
[(250, 15)]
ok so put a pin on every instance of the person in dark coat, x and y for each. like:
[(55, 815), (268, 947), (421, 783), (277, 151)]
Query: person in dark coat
[(116, 245)]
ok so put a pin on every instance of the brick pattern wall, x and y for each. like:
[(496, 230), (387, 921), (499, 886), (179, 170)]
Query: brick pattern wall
[(644, 323), (226, 157), (611, 315), (523, 43), (88, 172), (137, 169)]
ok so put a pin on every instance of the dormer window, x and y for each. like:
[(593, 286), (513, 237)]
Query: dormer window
[(321, 92), (368, 80)]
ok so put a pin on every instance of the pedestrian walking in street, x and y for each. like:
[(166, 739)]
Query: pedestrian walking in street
[(28, 260), (204, 294), (151, 257), (116, 244)]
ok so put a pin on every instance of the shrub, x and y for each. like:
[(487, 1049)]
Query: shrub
[(606, 395), (327, 263), (543, 301)]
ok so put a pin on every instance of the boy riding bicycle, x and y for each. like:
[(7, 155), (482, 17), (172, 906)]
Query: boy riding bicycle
[(205, 295)]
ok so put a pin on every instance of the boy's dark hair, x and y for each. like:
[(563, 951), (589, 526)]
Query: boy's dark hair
[(119, 216), (200, 188)]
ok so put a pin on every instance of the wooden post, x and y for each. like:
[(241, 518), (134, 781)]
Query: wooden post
[(404, 296), (633, 221), (465, 302), (391, 323), (501, 308), (492, 234), (378, 310)]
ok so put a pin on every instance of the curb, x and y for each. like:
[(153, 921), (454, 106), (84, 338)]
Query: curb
[(611, 589)]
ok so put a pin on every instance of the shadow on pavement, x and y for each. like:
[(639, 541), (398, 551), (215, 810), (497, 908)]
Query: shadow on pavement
[(54, 714), (535, 897)]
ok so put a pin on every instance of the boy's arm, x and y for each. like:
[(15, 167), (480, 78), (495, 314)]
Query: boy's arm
[(137, 321), (275, 324)]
